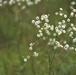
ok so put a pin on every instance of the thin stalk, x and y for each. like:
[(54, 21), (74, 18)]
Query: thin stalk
[(50, 60), (51, 56), (33, 66)]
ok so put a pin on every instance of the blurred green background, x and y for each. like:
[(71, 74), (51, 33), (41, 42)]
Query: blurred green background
[(17, 31)]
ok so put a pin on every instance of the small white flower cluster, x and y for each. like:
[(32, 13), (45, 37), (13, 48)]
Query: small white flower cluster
[(35, 54), (20, 3), (25, 59), (61, 35), (57, 35), (42, 23), (73, 3), (74, 40), (31, 46), (72, 13), (51, 41)]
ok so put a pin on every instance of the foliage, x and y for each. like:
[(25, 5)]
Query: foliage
[(17, 31)]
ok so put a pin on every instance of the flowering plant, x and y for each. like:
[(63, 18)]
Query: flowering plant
[(22, 4), (60, 36)]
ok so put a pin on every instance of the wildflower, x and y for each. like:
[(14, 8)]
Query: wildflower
[(56, 13), (28, 57), (73, 3), (61, 9), (74, 40), (65, 16), (35, 54), (72, 14), (23, 7), (66, 46), (25, 60), (31, 46)]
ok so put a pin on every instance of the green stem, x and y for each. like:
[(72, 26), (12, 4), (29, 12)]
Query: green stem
[(49, 60), (51, 55)]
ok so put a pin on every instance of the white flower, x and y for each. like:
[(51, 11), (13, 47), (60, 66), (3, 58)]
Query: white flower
[(37, 22), (61, 9), (41, 34), (64, 31), (28, 57), (33, 21), (30, 48), (38, 35), (65, 42), (25, 60), (59, 23), (65, 16), (71, 34), (66, 46), (38, 26), (23, 7), (59, 33), (47, 32), (4, 2), (29, 3), (63, 26), (74, 28), (72, 48), (72, 24), (74, 10), (52, 27), (74, 40), (68, 20), (31, 44), (54, 34), (60, 14), (35, 54), (72, 14), (56, 13), (63, 21), (37, 18), (75, 49), (44, 38), (73, 3), (44, 17), (10, 2), (46, 20)]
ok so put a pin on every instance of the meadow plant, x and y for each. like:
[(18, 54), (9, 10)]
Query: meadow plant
[(18, 6), (22, 4), (59, 36)]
